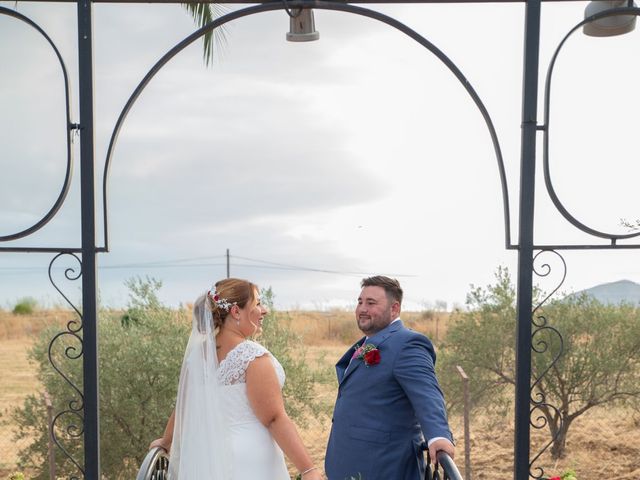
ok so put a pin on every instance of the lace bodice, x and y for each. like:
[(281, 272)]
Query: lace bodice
[(232, 370)]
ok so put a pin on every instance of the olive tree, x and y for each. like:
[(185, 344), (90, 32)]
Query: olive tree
[(139, 364), (594, 361)]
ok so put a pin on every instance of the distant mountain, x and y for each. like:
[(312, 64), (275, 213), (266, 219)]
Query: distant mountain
[(614, 292)]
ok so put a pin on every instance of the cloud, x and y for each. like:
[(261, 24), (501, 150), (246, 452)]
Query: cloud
[(357, 154)]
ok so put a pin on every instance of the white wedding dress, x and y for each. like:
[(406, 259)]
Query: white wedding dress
[(254, 453), (216, 435)]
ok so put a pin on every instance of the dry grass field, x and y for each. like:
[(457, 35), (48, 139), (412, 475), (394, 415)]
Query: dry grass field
[(603, 444), (18, 379)]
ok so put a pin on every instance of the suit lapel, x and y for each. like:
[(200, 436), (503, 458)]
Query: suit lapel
[(343, 363), (377, 340)]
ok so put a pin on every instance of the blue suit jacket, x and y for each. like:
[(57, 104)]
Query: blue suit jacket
[(383, 411)]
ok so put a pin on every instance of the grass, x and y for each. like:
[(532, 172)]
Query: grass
[(603, 443), (29, 326), (338, 327), (18, 380), (17, 334)]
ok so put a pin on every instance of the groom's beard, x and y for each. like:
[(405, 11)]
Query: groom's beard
[(370, 325)]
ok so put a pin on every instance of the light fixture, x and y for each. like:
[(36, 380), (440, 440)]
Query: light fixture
[(608, 26), (302, 27)]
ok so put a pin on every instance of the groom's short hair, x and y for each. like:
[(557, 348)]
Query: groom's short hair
[(391, 286)]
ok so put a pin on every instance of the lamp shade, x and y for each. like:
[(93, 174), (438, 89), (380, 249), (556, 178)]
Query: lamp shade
[(302, 27), (608, 26)]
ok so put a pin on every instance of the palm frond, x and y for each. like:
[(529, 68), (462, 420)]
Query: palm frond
[(215, 41)]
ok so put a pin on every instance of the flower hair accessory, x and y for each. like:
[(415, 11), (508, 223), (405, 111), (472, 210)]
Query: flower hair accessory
[(220, 302), (368, 353)]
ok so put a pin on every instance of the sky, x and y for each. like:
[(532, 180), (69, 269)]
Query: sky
[(315, 164)]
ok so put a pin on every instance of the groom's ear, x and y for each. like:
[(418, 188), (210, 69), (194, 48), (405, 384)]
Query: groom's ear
[(395, 309)]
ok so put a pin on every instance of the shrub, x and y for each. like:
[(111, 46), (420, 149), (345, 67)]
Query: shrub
[(25, 306), (300, 387), (139, 370)]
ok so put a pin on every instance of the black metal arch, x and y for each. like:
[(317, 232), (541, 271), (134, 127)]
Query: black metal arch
[(547, 99), (323, 5), (70, 126)]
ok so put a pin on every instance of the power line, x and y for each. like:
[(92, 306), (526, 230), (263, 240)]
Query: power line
[(165, 262), (311, 269), (151, 266), (185, 263)]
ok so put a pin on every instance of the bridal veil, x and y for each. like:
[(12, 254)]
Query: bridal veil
[(201, 441)]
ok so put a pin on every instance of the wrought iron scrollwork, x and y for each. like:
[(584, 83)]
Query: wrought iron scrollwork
[(541, 333), (70, 421)]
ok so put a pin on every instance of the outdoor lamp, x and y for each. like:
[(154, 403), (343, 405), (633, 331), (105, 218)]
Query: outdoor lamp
[(302, 27), (609, 26)]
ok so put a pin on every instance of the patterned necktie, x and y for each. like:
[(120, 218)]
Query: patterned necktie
[(357, 352)]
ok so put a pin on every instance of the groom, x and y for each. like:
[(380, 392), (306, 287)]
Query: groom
[(388, 395)]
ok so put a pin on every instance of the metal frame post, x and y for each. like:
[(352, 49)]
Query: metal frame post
[(89, 254), (524, 303)]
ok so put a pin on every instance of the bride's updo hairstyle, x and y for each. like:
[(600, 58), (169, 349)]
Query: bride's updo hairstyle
[(225, 294)]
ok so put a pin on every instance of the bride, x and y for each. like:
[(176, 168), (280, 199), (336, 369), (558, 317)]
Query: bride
[(229, 422)]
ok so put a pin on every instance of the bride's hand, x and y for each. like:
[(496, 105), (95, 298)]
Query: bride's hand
[(159, 442), (313, 475)]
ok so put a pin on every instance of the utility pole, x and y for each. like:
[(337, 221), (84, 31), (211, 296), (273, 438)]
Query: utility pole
[(228, 265)]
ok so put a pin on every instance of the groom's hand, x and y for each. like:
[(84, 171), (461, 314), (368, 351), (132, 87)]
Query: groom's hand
[(443, 445)]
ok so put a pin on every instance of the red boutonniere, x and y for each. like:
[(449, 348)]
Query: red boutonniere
[(568, 475), (368, 353)]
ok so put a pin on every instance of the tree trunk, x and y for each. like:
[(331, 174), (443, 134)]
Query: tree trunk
[(559, 442)]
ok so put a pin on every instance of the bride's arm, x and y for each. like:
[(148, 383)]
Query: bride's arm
[(265, 397), (167, 437)]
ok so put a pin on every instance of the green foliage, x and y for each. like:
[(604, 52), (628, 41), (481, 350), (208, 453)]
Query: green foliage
[(204, 13), (598, 357), (285, 345), (633, 225), (142, 298), (143, 294), (139, 370), (25, 306), (567, 475), (481, 340)]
